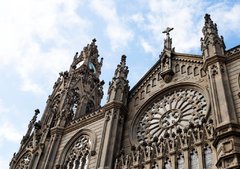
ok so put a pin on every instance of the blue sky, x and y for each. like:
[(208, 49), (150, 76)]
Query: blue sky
[(39, 38)]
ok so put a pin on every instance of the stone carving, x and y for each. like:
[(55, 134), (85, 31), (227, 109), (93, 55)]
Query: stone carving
[(176, 110), (214, 70), (25, 160), (78, 153), (30, 127), (161, 150)]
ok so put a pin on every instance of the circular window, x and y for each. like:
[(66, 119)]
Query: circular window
[(173, 111)]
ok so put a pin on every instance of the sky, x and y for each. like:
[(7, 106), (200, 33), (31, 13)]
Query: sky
[(39, 38)]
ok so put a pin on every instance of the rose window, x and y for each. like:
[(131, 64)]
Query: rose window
[(174, 111)]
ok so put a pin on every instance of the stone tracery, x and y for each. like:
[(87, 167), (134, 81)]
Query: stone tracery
[(25, 161), (174, 111), (78, 153)]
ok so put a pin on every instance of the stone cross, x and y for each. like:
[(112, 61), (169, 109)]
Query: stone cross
[(167, 30)]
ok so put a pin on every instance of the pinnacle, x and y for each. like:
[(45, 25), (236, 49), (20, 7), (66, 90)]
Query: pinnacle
[(123, 59)]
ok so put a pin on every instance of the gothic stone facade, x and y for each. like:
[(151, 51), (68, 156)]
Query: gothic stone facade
[(184, 113)]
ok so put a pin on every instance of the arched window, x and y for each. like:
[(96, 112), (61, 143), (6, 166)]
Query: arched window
[(183, 69), (180, 162), (154, 165), (148, 88), (196, 71), (77, 156), (154, 82), (208, 157), (142, 94), (167, 164), (25, 160), (89, 107), (136, 101), (177, 68), (194, 160), (189, 70)]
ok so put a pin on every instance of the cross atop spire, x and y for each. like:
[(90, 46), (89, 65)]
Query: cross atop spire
[(168, 40), (167, 30)]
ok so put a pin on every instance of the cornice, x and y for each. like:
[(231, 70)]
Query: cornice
[(115, 105), (212, 60), (85, 120), (226, 130), (188, 60)]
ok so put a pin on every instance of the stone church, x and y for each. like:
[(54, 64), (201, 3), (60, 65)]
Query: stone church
[(184, 113)]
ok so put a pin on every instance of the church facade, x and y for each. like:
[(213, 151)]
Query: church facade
[(184, 113)]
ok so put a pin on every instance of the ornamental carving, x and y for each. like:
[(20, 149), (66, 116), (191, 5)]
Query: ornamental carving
[(25, 161), (78, 153), (175, 111)]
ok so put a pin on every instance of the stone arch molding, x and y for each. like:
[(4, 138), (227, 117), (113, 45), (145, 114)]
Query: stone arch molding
[(173, 108), (85, 141)]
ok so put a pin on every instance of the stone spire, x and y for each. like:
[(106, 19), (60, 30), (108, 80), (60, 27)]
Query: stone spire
[(78, 91), (118, 88), (211, 43), (116, 109)]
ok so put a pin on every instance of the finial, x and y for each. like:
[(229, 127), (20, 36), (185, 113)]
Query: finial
[(207, 17), (37, 111), (123, 59), (94, 40), (168, 40), (167, 30)]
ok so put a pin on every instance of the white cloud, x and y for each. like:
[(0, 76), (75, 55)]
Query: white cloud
[(116, 30), (3, 109), (227, 17), (9, 132), (180, 15), (137, 18), (33, 41), (147, 47), (4, 162)]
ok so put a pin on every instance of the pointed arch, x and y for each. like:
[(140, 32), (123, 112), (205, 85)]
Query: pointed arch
[(177, 68), (183, 69), (154, 82), (136, 101), (194, 162), (208, 157), (180, 161), (189, 70), (78, 150), (148, 88), (196, 71), (90, 107), (24, 161)]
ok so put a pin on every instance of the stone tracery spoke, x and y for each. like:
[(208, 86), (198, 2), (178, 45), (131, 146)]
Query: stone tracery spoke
[(174, 110)]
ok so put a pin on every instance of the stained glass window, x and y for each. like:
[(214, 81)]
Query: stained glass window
[(180, 162), (208, 158), (194, 160), (78, 153)]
